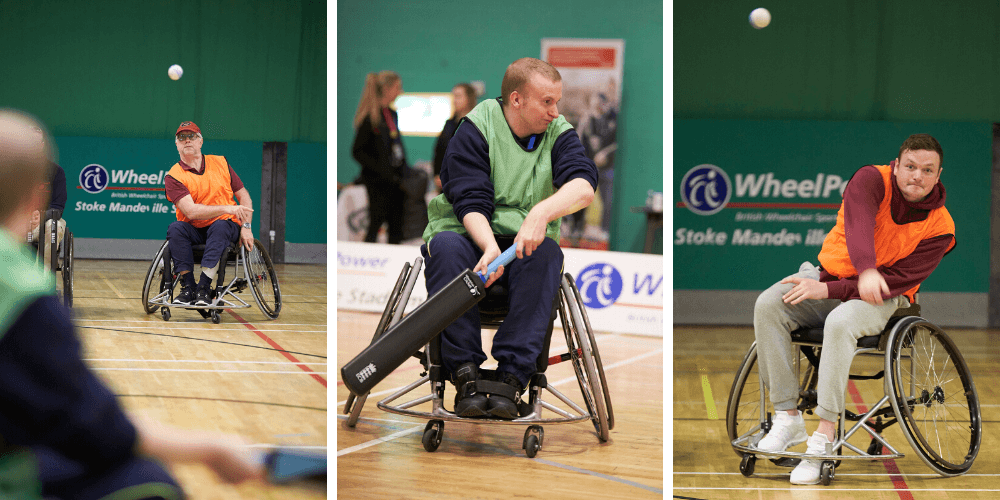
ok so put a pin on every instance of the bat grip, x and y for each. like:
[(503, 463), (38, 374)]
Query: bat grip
[(505, 258)]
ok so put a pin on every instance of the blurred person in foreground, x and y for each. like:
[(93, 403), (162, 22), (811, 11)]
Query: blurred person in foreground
[(62, 432)]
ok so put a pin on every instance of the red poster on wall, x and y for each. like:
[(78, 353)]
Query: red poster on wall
[(591, 73)]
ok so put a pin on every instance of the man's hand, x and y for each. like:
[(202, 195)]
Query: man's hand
[(241, 212), (531, 234), (36, 218), (871, 286), (246, 238), (805, 288), (489, 255)]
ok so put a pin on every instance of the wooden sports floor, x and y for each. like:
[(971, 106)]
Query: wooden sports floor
[(706, 467), (382, 456), (230, 377)]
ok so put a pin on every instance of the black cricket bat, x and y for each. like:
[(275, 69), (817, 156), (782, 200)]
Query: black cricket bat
[(415, 330)]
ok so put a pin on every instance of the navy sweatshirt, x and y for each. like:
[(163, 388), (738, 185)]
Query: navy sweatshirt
[(465, 171)]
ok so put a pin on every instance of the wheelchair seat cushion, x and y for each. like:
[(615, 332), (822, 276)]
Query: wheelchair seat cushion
[(815, 336), (495, 305)]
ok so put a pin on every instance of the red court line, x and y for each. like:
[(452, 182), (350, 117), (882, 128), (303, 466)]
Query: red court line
[(831, 206), (890, 465), (279, 348)]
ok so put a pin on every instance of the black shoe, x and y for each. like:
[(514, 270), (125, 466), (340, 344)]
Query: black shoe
[(185, 297), (468, 403), (502, 406), (204, 297)]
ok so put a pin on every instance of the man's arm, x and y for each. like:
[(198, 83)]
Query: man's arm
[(246, 235), (906, 273), (575, 178), (58, 189)]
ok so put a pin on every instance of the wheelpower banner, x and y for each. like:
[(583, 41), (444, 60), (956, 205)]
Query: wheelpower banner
[(115, 186), (623, 292), (754, 199)]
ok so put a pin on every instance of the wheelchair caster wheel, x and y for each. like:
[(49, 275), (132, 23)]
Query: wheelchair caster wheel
[(433, 433), (533, 437), (165, 312), (826, 473), (215, 317), (747, 465), (531, 446), (875, 448)]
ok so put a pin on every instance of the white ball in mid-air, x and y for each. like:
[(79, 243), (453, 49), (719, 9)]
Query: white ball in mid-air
[(760, 18), (175, 72)]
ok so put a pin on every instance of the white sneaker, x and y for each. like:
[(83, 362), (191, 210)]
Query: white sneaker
[(786, 431), (807, 472)]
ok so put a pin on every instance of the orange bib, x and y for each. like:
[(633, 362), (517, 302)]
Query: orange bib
[(892, 241), (211, 187)]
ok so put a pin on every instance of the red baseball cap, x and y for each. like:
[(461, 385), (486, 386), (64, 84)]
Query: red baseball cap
[(189, 126)]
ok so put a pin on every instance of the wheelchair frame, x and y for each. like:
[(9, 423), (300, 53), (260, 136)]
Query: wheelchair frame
[(897, 343), (224, 294), (582, 351), (63, 261)]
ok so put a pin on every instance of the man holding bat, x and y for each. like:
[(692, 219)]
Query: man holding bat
[(892, 231), (514, 167), (62, 432)]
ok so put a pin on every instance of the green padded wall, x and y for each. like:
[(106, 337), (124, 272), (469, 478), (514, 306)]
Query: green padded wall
[(434, 45)]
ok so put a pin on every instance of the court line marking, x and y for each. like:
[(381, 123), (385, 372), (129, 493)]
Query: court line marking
[(280, 349), (560, 382), (380, 440), (498, 450), (777, 474), (598, 474), (286, 372), (204, 361), (119, 294), (706, 388), (827, 489), (890, 465)]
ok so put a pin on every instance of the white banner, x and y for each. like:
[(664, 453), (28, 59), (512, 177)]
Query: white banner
[(623, 292)]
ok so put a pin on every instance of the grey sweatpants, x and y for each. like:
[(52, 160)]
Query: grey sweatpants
[(843, 324)]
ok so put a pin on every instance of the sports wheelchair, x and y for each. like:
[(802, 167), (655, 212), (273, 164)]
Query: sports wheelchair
[(927, 385), (581, 351), (251, 269), (49, 244)]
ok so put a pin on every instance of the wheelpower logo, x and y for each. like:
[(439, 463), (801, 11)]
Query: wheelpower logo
[(706, 189), (94, 178), (600, 285)]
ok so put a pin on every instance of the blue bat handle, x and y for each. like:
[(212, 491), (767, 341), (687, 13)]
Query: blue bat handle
[(505, 258)]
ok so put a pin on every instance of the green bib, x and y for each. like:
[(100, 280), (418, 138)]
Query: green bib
[(521, 179), (21, 283)]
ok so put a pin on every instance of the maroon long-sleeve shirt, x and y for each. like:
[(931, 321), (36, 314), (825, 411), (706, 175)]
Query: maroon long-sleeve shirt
[(862, 197)]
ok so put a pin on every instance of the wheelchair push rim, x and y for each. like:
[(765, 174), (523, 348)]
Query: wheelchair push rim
[(581, 355), (934, 397), (153, 275), (259, 272)]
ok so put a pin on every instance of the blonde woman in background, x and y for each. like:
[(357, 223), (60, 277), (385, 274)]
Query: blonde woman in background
[(378, 147)]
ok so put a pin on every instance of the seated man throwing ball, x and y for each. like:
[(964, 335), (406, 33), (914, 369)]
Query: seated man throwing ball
[(892, 231), (202, 189)]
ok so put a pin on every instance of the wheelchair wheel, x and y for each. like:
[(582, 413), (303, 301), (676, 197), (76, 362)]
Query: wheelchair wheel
[(67, 269), (263, 281), (154, 279), (582, 354), (748, 405), (597, 353), (934, 397)]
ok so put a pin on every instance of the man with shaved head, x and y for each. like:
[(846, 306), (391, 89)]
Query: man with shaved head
[(514, 167), (62, 432)]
